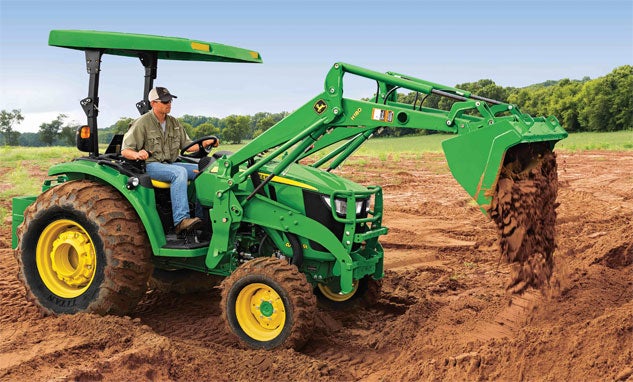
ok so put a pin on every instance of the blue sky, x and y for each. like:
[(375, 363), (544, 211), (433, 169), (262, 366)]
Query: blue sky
[(514, 43)]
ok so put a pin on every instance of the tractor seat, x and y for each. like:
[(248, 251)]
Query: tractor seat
[(163, 185), (160, 184)]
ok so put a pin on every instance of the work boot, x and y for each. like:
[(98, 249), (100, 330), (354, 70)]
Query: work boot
[(188, 224)]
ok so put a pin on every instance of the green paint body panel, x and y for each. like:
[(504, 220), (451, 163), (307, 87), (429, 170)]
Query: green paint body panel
[(280, 185), (168, 48), (19, 204)]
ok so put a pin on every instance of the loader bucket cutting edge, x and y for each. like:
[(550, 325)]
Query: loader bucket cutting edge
[(476, 158)]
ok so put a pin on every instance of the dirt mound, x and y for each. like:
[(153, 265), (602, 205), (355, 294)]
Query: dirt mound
[(444, 312), (524, 210), (90, 347), (616, 254)]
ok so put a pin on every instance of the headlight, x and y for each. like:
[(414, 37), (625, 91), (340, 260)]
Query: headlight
[(132, 183), (340, 205)]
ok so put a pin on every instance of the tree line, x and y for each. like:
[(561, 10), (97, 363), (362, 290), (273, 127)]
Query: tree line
[(231, 129), (53, 133), (601, 104)]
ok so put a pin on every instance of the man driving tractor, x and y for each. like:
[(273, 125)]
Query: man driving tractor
[(157, 138)]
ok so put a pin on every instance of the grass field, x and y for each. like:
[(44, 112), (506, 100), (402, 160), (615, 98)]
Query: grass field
[(18, 164), (615, 141), (412, 144)]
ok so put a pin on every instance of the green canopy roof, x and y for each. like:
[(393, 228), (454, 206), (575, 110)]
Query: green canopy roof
[(169, 48)]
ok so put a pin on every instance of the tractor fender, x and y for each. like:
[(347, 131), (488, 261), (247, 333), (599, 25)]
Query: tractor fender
[(139, 197)]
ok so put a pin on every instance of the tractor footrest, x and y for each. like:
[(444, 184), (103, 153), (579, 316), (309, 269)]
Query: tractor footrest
[(360, 237), (188, 241)]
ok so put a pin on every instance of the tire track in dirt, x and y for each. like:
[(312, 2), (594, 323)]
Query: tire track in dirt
[(14, 306), (163, 312), (510, 320)]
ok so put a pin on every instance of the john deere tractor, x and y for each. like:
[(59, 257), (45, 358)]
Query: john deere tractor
[(281, 228)]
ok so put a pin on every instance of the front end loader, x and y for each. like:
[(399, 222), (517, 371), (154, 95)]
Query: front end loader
[(281, 227)]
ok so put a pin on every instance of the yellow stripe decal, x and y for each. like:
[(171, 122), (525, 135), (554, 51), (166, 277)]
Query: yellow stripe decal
[(277, 179), (200, 46), (290, 182)]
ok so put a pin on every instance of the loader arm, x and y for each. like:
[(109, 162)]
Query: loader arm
[(485, 129)]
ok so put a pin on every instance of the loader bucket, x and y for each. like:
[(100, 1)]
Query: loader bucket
[(475, 158)]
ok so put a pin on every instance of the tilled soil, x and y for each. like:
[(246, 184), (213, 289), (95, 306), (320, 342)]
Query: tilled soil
[(444, 313)]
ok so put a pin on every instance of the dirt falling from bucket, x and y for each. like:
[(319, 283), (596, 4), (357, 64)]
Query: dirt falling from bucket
[(524, 210)]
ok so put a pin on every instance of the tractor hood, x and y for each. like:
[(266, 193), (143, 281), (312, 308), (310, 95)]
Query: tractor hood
[(313, 179)]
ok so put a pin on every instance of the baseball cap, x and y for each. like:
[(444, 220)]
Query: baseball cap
[(160, 94)]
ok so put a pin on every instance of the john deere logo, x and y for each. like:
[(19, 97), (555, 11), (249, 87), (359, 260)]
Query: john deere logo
[(320, 106)]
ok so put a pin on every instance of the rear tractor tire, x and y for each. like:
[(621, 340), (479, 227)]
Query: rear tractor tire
[(267, 304), (83, 248)]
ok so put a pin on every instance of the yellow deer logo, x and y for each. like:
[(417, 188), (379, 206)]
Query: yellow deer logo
[(320, 106)]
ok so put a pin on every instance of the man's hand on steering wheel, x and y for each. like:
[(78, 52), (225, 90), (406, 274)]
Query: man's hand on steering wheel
[(201, 147)]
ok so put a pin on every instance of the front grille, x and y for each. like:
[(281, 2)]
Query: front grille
[(317, 209)]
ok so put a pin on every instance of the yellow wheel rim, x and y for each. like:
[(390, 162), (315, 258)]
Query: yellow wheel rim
[(337, 296), (260, 311), (66, 258)]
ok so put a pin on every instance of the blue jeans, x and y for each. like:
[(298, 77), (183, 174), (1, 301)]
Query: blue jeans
[(177, 174)]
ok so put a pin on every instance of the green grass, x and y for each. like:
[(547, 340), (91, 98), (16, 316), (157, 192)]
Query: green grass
[(410, 144), (20, 180), (14, 154), (614, 141), (384, 148), (414, 144), (21, 166), (18, 164)]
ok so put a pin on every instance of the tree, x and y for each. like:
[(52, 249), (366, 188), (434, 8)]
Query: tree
[(190, 130), (205, 129), (30, 140), (563, 103), (7, 120), (606, 103), (486, 88), (237, 127), (48, 131), (68, 135), (122, 125), (622, 106), (196, 120), (483, 88), (263, 125)]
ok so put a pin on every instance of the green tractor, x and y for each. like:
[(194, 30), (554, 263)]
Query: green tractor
[(281, 228)]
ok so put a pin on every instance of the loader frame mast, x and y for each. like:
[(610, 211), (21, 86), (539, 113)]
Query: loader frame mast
[(331, 118)]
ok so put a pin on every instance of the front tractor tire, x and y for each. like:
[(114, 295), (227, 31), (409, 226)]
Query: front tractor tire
[(83, 248), (267, 304), (365, 294)]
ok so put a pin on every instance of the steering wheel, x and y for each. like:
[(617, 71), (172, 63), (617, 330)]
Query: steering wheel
[(202, 151)]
